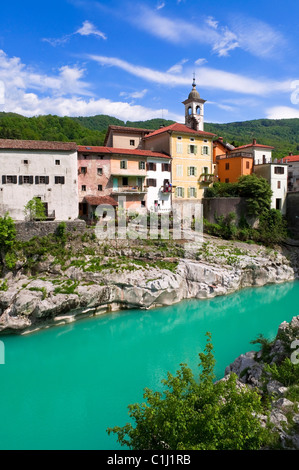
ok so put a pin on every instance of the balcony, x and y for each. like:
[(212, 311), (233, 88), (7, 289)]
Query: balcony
[(166, 189), (206, 178), (129, 190)]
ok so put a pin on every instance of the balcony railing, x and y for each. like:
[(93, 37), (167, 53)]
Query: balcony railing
[(206, 178), (129, 190), (166, 189)]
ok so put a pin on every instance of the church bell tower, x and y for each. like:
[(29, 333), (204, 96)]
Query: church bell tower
[(194, 110)]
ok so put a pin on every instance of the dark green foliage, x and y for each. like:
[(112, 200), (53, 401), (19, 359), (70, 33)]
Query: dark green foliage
[(7, 242), (196, 415), (279, 133), (272, 227), (35, 210), (61, 232)]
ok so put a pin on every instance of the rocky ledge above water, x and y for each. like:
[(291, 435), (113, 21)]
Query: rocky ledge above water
[(274, 373), (57, 295)]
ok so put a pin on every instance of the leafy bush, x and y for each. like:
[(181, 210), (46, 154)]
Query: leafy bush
[(34, 209), (196, 415)]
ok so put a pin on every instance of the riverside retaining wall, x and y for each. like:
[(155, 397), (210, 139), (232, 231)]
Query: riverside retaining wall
[(28, 230)]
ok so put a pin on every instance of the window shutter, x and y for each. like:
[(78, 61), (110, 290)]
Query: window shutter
[(154, 167), (195, 150), (176, 192), (195, 171), (30, 179), (15, 179), (195, 192), (188, 170), (183, 192), (47, 179), (62, 180), (202, 150), (189, 149), (163, 167), (37, 180), (20, 179), (188, 192), (3, 179)]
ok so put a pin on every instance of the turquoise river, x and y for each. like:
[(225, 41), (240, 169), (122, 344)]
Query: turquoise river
[(60, 388)]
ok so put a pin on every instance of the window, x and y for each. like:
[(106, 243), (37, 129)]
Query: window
[(83, 188), (227, 166), (179, 145), (25, 162), (151, 182), (123, 164), (141, 165), (279, 170), (100, 187), (197, 109), (227, 180), (179, 170), (132, 142), (192, 171), (278, 184), (192, 139), (83, 170), (26, 179), (42, 180), (192, 149), (165, 166), (180, 192), (57, 162), (189, 110), (192, 192), (205, 150), (151, 166), (247, 165), (278, 204), (100, 171), (205, 170), (125, 181), (10, 179), (59, 180)]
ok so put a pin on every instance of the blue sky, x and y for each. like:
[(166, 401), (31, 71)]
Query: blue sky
[(136, 60)]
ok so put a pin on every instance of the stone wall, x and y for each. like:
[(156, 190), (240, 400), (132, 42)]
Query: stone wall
[(28, 230), (217, 206)]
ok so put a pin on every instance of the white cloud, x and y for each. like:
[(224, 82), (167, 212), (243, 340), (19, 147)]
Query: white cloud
[(134, 94), (206, 77), (30, 93), (251, 35), (87, 29), (282, 112), (177, 68), (160, 6), (200, 62)]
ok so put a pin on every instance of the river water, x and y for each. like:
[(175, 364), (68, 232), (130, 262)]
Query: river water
[(62, 387)]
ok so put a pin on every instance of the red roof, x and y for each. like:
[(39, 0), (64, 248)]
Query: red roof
[(290, 158), (36, 145), (112, 150), (254, 145), (181, 128), (100, 200)]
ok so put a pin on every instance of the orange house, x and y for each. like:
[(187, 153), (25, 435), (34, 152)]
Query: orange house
[(231, 167)]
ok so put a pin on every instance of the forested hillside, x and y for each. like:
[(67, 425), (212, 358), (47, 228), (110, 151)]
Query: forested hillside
[(282, 134)]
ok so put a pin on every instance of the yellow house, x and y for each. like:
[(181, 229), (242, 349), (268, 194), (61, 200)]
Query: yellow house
[(192, 159)]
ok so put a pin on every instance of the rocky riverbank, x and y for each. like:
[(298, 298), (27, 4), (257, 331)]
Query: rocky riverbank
[(274, 373), (121, 276)]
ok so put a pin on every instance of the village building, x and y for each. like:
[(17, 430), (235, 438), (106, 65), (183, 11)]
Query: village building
[(293, 171), (45, 170), (277, 176), (125, 137)]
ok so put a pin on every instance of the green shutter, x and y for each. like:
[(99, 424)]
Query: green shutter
[(188, 193), (195, 149), (188, 170), (195, 192), (183, 192), (195, 171), (189, 151), (176, 192)]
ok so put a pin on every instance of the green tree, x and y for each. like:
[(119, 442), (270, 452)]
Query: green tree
[(196, 415), (258, 193), (35, 209), (7, 241)]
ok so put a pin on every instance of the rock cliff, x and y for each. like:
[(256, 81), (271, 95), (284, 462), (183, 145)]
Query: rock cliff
[(56, 296)]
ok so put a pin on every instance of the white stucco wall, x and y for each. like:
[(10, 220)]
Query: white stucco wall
[(268, 172), (155, 193), (61, 198), (258, 156)]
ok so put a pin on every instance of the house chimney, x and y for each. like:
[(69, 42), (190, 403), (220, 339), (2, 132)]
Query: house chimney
[(254, 141), (220, 138), (290, 154)]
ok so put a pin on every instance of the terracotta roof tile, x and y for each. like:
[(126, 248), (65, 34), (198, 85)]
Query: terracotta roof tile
[(10, 144), (290, 158), (120, 151), (182, 128), (100, 200)]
